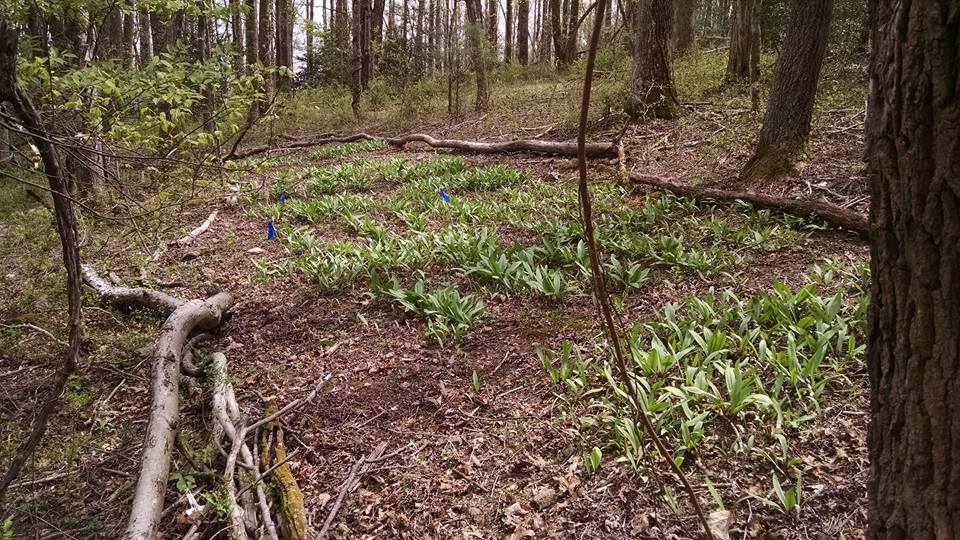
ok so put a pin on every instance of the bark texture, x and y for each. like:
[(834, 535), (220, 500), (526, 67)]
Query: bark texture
[(913, 349), (786, 124), (651, 88)]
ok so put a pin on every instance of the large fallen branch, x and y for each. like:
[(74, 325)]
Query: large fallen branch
[(130, 296), (832, 214), (594, 150), (165, 409)]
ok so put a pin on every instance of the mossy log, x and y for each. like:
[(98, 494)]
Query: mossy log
[(273, 451)]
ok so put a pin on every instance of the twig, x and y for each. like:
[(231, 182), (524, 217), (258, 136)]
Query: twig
[(355, 474), (35, 328), (267, 472), (600, 289)]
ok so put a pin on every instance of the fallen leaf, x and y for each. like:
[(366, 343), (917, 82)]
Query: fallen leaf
[(719, 523)]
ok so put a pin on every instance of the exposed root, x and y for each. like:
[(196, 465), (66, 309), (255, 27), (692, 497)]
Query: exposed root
[(594, 150), (832, 214)]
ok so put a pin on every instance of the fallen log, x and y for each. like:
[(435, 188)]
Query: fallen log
[(831, 213), (165, 410), (534, 146), (130, 296)]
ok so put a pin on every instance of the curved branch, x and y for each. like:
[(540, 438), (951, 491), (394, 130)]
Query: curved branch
[(130, 296)]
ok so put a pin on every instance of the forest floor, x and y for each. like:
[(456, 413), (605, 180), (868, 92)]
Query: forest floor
[(487, 437)]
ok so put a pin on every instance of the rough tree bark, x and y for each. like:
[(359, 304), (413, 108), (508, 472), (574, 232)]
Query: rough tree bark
[(265, 47), (913, 346), (651, 88), (786, 124), (284, 44), (683, 33), (236, 34), (523, 32), (475, 38), (743, 60)]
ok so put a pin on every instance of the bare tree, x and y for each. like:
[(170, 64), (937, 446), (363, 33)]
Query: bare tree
[(683, 33)]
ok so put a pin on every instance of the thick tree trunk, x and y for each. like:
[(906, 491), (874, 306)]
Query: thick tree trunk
[(523, 31), (913, 346), (683, 33), (377, 23), (743, 60), (786, 124), (651, 88), (475, 37)]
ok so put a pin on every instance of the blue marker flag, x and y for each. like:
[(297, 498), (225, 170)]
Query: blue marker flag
[(283, 198), (444, 196), (271, 232)]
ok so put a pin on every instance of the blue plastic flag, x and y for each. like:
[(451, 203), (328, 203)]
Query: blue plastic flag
[(271, 232), (283, 198), (444, 196)]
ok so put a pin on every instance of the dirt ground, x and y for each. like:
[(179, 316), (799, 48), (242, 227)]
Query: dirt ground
[(464, 460)]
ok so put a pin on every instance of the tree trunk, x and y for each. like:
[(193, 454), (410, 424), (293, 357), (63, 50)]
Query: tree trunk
[(743, 60), (492, 21), (377, 23), (523, 31), (651, 89), (265, 45), (283, 44), (475, 37), (236, 35), (146, 37), (508, 33), (787, 121), (913, 346), (356, 58), (251, 39), (683, 34)]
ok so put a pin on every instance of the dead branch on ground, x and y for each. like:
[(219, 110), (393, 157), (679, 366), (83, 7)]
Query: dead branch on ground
[(535, 146), (832, 214)]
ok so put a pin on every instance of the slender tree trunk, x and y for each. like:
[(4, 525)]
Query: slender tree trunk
[(492, 22), (356, 79), (475, 37), (508, 33), (284, 44), (265, 46), (129, 38), (743, 60), (145, 37), (378, 7), (683, 33), (523, 31), (21, 106), (913, 345), (431, 39), (651, 88), (251, 38), (786, 125), (236, 35)]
